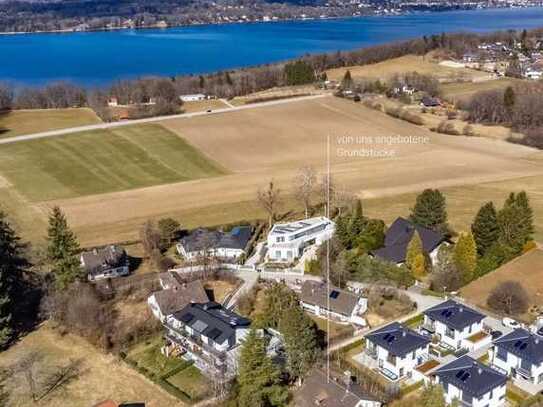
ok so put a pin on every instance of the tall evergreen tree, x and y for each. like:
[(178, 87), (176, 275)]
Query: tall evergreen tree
[(300, 337), (485, 228), (430, 210), (515, 222), (357, 222), (259, 379), (347, 81), (62, 249), (278, 298), (465, 256), (12, 263)]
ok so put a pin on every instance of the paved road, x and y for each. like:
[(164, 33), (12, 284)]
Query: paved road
[(61, 132)]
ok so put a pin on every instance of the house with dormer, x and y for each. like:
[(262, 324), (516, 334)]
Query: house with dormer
[(520, 355), (456, 326), (471, 383), (397, 350)]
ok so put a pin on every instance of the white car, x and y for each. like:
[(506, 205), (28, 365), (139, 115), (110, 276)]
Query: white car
[(511, 323)]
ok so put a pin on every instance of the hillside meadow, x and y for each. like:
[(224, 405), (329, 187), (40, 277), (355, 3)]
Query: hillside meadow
[(206, 170)]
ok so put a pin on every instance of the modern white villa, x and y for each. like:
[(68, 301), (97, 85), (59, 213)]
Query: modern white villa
[(456, 326), (396, 351), (520, 355), (333, 303), (472, 383), (287, 241)]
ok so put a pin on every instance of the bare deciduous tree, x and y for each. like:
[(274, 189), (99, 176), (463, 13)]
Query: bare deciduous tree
[(150, 238), (270, 200), (509, 297), (328, 190), (304, 186)]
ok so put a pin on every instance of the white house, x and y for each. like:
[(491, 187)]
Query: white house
[(399, 235), (520, 355), (229, 245), (456, 326), (472, 383), (175, 296), (333, 303), (108, 262), (287, 241), (193, 98), (397, 350)]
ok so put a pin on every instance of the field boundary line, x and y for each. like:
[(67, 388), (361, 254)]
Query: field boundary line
[(102, 126)]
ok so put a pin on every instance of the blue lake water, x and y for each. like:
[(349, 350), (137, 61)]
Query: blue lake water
[(97, 58)]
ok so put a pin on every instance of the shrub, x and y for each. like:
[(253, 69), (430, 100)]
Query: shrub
[(446, 127)]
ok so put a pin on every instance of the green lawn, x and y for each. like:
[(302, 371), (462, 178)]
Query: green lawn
[(147, 355), (101, 161), (192, 382), (21, 122)]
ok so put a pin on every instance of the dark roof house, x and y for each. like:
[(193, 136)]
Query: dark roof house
[(213, 321), (454, 315), (98, 261), (317, 390), (340, 301), (428, 101), (203, 239), (471, 376), (523, 344), (397, 339), (398, 236)]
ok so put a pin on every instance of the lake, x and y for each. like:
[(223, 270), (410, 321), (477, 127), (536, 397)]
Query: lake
[(98, 58)]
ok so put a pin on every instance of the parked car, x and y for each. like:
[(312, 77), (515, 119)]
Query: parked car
[(511, 323), (496, 334)]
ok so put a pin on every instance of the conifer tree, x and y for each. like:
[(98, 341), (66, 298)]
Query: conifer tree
[(430, 210), (347, 81), (300, 337), (357, 222), (418, 267), (485, 228), (515, 222), (278, 298), (11, 265), (62, 249), (465, 256), (259, 379)]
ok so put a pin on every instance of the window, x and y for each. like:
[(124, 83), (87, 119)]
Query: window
[(391, 359), (413, 355), (449, 332), (280, 239), (501, 354)]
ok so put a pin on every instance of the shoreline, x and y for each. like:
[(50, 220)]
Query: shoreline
[(292, 19)]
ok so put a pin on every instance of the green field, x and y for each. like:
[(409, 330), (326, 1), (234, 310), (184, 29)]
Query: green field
[(20, 122), (463, 91), (101, 161)]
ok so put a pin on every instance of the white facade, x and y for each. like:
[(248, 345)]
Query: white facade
[(192, 98), (400, 367), (455, 338), (520, 370), (493, 398), (223, 252), (354, 318), (287, 241)]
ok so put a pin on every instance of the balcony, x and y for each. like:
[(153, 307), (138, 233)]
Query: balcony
[(372, 353), (428, 327), (183, 338)]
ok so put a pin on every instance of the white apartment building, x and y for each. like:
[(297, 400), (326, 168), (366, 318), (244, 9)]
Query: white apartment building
[(398, 350), (520, 355), (287, 241), (471, 383)]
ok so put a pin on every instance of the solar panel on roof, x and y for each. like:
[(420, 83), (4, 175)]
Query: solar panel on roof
[(387, 335), (517, 344), (523, 346), (465, 376), (460, 373), (334, 294), (187, 317)]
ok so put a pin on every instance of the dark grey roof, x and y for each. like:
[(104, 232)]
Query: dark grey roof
[(471, 376), (397, 339), (524, 344), (237, 238), (203, 239), (454, 315), (398, 236), (212, 320), (99, 260), (318, 390)]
